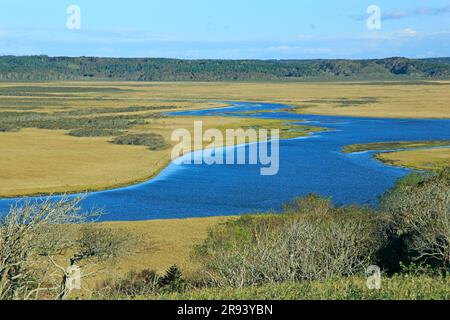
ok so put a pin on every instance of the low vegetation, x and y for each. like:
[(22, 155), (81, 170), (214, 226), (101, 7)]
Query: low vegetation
[(395, 145), (342, 102), (59, 121), (94, 132), (412, 99), (422, 159), (62, 163), (421, 155), (70, 120), (399, 287), (408, 236), (152, 140), (51, 161), (313, 250), (143, 283), (118, 110), (312, 240), (289, 129)]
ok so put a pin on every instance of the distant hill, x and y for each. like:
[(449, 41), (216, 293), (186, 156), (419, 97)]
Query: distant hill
[(44, 68)]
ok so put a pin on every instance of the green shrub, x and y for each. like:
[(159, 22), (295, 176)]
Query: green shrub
[(310, 204), (8, 128), (151, 140), (173, 280)]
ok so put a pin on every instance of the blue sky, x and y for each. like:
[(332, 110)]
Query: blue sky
[(229, 29)]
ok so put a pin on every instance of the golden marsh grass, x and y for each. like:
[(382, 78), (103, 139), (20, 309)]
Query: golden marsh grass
[(418, 159), (41, 161)]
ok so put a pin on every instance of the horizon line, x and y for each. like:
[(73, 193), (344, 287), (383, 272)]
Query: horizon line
[(218, 59)]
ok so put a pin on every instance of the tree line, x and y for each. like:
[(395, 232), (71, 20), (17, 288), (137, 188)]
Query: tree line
[(45, 68)]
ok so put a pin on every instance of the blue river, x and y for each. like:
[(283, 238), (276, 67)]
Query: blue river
[(313, 164)]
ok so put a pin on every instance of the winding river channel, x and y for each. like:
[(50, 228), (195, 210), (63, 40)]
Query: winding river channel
[(312, 164)]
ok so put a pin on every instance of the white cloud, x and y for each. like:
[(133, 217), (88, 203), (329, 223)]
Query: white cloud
[(423, 11), (408, 32), (297, 49), (305, 37)]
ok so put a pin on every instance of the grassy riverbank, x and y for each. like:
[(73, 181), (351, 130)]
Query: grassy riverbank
[(394, 145), (42, 161), (429, 159), (425, 154), (70, 137), (371, 99)]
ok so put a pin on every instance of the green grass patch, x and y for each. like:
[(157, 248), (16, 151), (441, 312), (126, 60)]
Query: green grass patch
[(345, 102), (32, 90), (94, 132), (395, 145), (351, 288), (289, 130), (8, 128), (60, 121), (91, 111), (152, 140)]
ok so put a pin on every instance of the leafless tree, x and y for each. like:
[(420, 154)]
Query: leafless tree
[(35, 240)]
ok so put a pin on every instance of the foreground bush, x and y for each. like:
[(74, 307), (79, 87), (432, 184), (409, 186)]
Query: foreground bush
[(418, 225), (145, 282), (133, 284), (312, 240)]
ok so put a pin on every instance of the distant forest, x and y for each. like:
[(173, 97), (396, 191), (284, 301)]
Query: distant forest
[(44, 68)]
